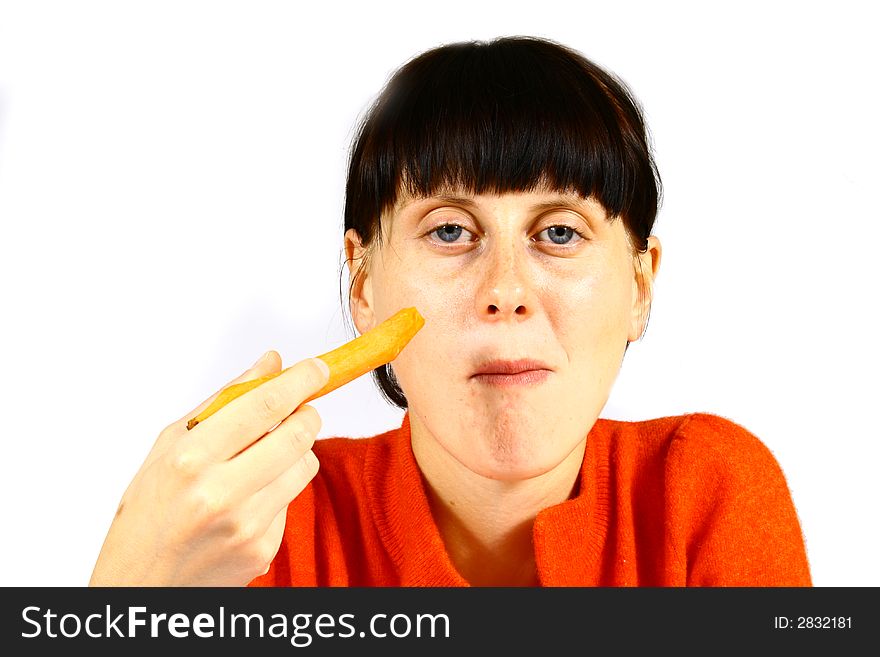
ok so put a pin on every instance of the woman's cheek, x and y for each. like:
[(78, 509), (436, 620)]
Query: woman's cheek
[(434, 361)]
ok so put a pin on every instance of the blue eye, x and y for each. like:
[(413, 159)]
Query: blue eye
[(561, 235), (451, 231)]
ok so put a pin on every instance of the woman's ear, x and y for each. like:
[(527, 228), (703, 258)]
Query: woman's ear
[(360, 282), (646, 266)]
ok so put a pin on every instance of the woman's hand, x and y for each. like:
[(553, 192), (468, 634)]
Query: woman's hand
[(208, 506)]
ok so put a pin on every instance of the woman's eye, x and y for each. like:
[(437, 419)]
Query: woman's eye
[(449, 233), (561, 235)]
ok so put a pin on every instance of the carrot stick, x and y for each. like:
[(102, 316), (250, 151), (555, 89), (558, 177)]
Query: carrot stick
[(378, 346)]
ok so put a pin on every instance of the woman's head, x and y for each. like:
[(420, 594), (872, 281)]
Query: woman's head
[(507, 190)]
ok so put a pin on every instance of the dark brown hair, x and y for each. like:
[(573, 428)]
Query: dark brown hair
[(508, 115)]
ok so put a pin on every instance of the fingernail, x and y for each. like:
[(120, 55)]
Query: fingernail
[(325, 368), (260, 359)]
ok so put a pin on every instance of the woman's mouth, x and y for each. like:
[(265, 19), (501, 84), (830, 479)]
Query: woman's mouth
[(509, 372), (527, 377)]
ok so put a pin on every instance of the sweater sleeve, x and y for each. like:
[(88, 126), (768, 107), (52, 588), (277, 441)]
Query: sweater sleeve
[(736, 518)]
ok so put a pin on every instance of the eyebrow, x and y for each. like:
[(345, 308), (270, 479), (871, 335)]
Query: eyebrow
[(554, 202)]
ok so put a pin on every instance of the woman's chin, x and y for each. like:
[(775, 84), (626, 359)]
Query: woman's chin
[(504, 464)]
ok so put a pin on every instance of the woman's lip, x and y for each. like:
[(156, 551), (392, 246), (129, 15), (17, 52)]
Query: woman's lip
[(528, 377), (510, 366)]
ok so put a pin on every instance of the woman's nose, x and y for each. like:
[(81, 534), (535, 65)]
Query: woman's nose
[(505, 291)]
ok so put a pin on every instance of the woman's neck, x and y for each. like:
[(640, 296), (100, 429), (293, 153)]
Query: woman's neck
[(487, 524)]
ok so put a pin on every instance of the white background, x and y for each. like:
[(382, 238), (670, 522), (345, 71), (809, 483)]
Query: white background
[(171, 189)]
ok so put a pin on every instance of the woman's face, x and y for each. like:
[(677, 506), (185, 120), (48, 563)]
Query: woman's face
[(537, 275)]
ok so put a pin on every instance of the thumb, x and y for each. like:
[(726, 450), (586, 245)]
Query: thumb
[(268, 363)]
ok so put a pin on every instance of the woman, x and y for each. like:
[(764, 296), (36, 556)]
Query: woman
[(507, 191)]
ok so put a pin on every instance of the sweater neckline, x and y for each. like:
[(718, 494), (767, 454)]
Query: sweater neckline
[(567, 537)]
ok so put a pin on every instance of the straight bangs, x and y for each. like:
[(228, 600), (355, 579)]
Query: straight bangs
[(514, 115)]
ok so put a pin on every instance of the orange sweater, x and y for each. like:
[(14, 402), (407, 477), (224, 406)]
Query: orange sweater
[(691, 500)]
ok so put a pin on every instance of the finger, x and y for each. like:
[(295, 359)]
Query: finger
[(171, 435), (264, 505), (273, 454), (268, 363), (246, 418)]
